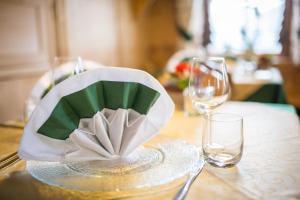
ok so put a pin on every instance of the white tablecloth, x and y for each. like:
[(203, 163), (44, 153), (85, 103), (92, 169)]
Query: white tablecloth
[(270, 166)]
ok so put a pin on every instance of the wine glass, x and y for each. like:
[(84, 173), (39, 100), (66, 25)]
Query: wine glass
[(208, 89), (208, 85)]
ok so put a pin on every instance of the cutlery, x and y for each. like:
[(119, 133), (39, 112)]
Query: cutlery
[(181, 194), (9, 160), (12, 126)]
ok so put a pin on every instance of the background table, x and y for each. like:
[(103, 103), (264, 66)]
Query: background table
[(269, 168), (257, 85)]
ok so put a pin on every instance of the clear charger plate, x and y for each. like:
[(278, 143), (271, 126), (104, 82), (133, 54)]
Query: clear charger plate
[(149, 169)]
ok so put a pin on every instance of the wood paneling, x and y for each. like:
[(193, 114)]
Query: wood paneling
[(159, 38), (14, 93), (27, 46), (26, 37), (118, 32), (88, 29)]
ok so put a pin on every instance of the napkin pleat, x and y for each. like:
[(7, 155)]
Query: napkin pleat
[(134, 122), (84, 99), (101, 131), (86, 124), (132, 117), (116, 128), (97, 126), (82, 154), (87, 141), (130, 92), (132, 139), (71, 119), (109, 133)]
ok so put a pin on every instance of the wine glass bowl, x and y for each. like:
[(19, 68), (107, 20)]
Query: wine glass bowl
[(208, 85)]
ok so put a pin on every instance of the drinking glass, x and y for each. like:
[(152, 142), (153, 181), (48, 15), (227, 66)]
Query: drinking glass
[(222, 141), (208, 89), (208, 85)]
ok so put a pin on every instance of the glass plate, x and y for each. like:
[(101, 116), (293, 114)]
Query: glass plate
[(147, 170)]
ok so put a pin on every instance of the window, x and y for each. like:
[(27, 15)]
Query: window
[(237, 25)]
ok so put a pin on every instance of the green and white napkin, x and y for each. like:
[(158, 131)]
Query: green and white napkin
[(97, 115)]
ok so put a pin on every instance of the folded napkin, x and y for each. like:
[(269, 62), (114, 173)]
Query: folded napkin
[(100, 114)]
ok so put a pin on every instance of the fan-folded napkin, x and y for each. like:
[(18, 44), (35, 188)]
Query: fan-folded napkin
[(100, 114)]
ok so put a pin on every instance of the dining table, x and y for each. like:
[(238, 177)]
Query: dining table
[(259, 85), (269, 168)]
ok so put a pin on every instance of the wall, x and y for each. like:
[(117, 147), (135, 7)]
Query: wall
[(133, 33), (27, 45), (88, 29)]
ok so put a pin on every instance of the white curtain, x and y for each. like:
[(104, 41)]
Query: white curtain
[(196, 24), (190, 17)]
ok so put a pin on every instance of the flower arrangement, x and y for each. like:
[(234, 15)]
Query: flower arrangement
[(181, 75), (179, 79), (176, 73)]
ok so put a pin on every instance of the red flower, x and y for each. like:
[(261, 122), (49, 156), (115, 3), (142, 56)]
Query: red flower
[(182, 70), (182, 67)]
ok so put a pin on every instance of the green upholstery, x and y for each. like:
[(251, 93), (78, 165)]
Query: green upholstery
[(269, 93)]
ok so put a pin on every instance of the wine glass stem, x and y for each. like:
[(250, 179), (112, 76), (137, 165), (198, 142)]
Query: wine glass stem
[(207, 129)]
